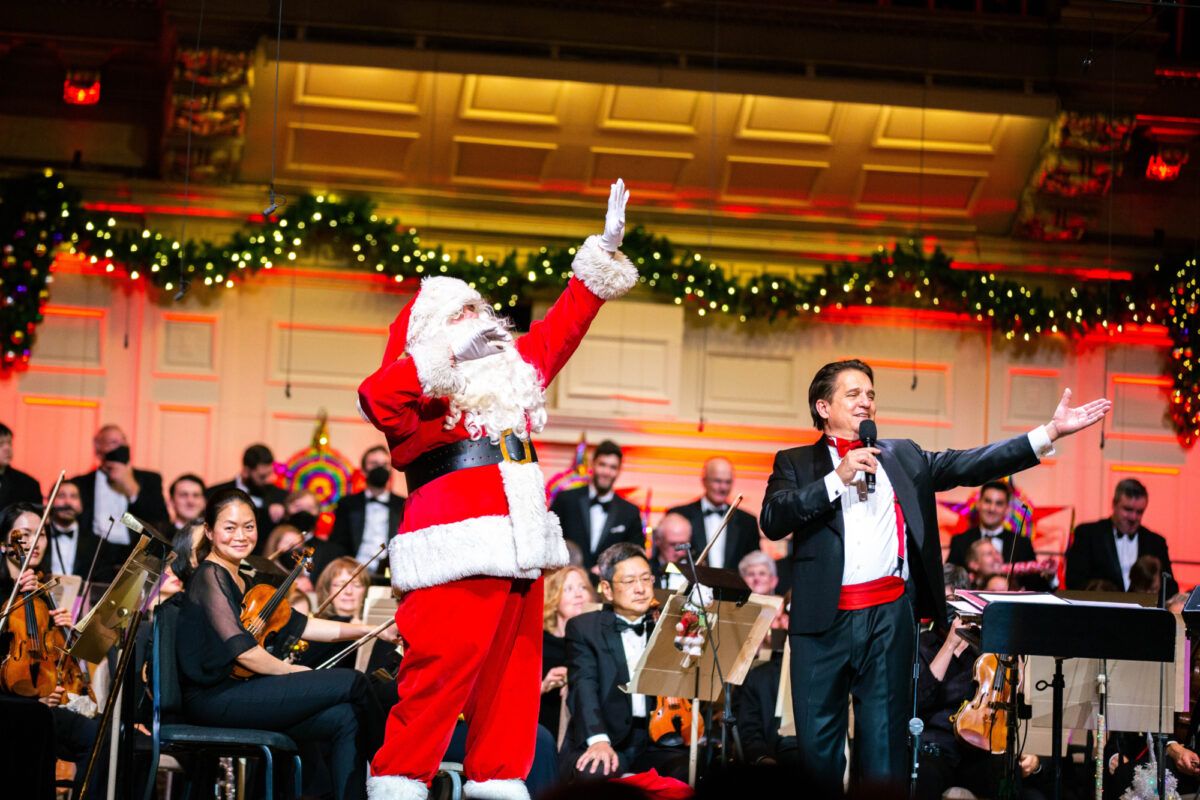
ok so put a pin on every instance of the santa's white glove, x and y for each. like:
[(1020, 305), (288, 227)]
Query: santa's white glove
[(614, 221), (470, 342)]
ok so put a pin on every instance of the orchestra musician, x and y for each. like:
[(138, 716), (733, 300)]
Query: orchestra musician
[(309, 705)]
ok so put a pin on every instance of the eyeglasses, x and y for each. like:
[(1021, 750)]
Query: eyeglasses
[(628, 583)]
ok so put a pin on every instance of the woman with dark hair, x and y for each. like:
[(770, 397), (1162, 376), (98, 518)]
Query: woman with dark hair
[(320, 707)]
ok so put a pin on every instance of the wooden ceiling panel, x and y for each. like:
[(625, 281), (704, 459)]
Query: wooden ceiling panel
[(332, 150), (499, 162), (782, 119), (641, 110), (395, 91), (651, 170), (527, 101), (943, 192), (772, 179), (938, 131)]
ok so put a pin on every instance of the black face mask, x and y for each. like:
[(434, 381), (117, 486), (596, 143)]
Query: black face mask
[(118, 455), (378, 477), (303, 521)]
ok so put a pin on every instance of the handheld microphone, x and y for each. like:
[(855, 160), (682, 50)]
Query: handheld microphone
[(869, 435)]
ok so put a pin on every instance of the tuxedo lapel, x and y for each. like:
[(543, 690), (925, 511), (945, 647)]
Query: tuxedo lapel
[(358, 521), (1108, 546), (616, 650), (905, 491), (822, 465)]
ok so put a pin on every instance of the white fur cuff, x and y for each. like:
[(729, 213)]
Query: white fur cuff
[(396, 787), (496, 790), (436, 370), (606, 275)]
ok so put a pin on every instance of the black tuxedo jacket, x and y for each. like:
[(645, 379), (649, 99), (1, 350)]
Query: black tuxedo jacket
[(595, 668), (797, 502), (348, 522), (754, 702), (739, 538), (1014, 545), (624, 523), (262, 514), (1093, 554), (149, 506), (16, 486), (85, 548)]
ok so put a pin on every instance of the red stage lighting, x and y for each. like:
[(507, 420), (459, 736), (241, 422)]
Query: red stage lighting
[(1166, 164), (82, 87)]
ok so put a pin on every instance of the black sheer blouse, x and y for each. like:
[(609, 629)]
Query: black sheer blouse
[(211, 635)]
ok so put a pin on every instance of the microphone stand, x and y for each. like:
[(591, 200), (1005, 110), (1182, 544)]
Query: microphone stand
[(916, 725)]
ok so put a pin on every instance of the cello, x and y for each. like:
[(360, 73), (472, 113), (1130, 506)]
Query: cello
[(265, 611)]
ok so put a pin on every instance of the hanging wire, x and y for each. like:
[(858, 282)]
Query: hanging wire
[(187, 172), (712, 196)]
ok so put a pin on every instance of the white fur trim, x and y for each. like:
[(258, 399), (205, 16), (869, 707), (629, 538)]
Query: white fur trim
[(436, 370), (395, 787), (496, 790), (537, 534), (606, 275), (438, 299)]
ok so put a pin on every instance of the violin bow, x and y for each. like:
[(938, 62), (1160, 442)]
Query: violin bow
[(737, 501), (366, 637), (353, 575), (282, 550), (41, 589), (8, 607)]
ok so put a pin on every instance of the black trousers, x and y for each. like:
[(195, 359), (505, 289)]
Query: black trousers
[(865, 655), (318, 706)]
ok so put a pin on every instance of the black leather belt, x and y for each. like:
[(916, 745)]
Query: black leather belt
[(467, 454)]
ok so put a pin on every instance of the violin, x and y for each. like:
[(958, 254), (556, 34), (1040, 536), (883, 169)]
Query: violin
[(983, 720), (673, 717), (265, 610)]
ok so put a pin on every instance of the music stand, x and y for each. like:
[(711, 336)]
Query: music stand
[(120, 609), (738, 629)]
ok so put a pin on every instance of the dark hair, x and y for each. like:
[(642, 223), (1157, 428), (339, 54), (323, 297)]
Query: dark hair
[(955, 577), (608, 448), (5, 431), (1145, 573), (1131, 488), (621, 551), (825, 381), (256, 455), (999, 486), (187, 476), (183, 545), (362, 462), (216, 504), (8, 517)]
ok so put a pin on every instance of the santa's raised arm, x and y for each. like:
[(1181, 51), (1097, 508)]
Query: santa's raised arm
[(458, 399)]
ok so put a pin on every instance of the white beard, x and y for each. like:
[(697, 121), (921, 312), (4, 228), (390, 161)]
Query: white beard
[(503, 391)]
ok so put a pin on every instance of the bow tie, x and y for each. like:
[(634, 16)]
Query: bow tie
[(638, 628), (843, 445), (56, 532), (718, 510), (379, 500), (1126, 535), (604, 504)]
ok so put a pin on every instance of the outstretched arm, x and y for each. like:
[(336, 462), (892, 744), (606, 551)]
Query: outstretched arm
[(1067, 420)]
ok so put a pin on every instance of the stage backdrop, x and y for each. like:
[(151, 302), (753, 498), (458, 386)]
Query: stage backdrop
[(193, 383)]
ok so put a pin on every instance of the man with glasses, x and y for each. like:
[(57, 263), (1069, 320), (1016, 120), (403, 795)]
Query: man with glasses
[(609, 729)]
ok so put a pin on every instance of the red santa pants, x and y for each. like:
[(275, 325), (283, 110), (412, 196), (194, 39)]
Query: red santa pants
[(473, 646)]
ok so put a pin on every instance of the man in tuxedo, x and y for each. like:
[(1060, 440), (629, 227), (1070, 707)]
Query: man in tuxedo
[(110, 490), (673, 530), (15, 486), (1107, 548), (256, 479), (69, 549), (866, 563), (705, 514), (365, 520), (609, 731), (187, 498), (992, 508), (593, 516)]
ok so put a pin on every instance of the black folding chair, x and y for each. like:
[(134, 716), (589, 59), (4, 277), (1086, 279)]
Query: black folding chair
[(170, 736)]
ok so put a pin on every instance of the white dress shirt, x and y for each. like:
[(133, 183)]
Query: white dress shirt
[(634, 646), (597, 515), (62, 549), (375, 526), (1127, 554), (994, 535), (871, 543), (716, 556), (109, 503)]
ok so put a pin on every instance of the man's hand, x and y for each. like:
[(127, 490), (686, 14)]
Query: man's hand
[(555, 678), (600, 758), (1029, 764), (55, 698), (120, 477), (860, 460), (1067, 420), (1186, 760), (614, 221)]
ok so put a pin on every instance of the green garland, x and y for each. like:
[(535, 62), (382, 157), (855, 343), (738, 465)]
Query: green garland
[(40, 214)]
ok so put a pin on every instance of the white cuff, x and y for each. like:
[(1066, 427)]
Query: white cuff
[(834, 485), (1039, 440), (599, 737)]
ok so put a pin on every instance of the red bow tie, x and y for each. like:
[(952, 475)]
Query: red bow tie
[(844, 445)]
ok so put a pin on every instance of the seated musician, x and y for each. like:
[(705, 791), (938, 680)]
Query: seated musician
[(283, 540), (608, 733), (946, 682), (310, 706), (74, 732), (348, 594), (568, 593), (754, 705)]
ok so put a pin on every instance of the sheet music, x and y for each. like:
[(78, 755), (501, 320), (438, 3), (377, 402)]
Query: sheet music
[(1035, 598)]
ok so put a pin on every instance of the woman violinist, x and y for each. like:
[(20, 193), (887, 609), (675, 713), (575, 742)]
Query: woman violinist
[(31, 666), (310, 706)]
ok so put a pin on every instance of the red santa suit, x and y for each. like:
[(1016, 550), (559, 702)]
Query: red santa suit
[(474, 542)]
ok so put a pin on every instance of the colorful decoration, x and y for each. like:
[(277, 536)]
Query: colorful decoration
[(320, 469), (40, 214), (573, 476), (1022, 516)]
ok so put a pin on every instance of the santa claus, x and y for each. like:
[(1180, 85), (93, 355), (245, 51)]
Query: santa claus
[(458, 400)]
